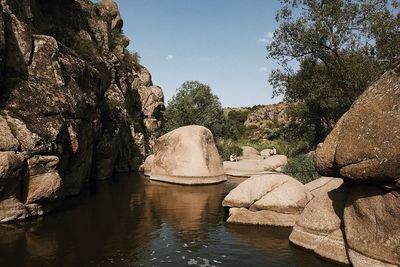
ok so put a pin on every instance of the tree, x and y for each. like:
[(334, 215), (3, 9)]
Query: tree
[(339, 46), (194, 103)]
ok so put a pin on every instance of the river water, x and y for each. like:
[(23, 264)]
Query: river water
[(130, 221)]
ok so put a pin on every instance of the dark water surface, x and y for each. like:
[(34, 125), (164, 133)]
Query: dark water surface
[(130, 221)]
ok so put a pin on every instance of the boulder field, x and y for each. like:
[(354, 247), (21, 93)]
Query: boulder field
[(75, 105), (187, 155), (353, 216), (358, 221)]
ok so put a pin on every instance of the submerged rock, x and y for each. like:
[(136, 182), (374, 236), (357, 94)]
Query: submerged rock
[(187, 155), (274, 199)]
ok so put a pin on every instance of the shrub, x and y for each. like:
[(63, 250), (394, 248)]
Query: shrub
[(302, 168), (13, 128), (273, 133), (227, 147), (131, 58)]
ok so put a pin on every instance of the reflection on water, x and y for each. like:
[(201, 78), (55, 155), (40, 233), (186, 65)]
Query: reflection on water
[(131, 221)]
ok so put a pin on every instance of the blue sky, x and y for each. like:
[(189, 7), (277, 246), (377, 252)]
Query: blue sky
[(217, 42)]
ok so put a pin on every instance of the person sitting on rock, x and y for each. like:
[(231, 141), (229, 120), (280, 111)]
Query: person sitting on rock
[(273, 151), (233, 157)]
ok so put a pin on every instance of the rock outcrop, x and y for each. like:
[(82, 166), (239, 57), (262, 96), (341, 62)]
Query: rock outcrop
[(274, 199), (187, 155), (372, 225), (319, 227), (75, 104), (357, 222), (268, 116)]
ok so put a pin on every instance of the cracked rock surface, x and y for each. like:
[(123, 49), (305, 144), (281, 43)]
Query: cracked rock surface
[(75, 105)]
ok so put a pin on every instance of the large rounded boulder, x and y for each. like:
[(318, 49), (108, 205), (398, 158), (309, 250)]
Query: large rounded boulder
[(187, 155), (364, 146)]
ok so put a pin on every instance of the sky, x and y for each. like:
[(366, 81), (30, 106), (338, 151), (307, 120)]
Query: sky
[(217, 42)]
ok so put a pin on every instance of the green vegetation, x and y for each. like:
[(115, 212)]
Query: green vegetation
[(131, 58), (340, 47), (302, 168), (227, 147), (13, 128), (195, 104)]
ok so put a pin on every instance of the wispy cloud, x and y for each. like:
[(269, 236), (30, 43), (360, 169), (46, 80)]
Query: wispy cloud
[(263, 40), (267, 39), (170, 57), (262, 69)]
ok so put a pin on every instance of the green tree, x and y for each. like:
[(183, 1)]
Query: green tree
[(194, 103), (329, 51)]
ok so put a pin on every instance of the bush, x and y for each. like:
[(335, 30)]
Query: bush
[(239, 116), (302, 168), (227, 147), (273, 133), (195, 104), (131, 58)]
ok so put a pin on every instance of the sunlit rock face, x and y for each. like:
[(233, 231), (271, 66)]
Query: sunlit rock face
[(187, 155), (75, 105), (364, 146), (270, 199)]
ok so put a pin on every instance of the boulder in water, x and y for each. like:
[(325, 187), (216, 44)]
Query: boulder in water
[(148, 165), (187, 155), (274, 199)]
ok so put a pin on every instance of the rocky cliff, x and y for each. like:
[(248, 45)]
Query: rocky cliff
[(75, 105), (268, 116)]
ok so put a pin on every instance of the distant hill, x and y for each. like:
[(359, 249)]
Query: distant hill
[(260, 120), (262, 116)]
